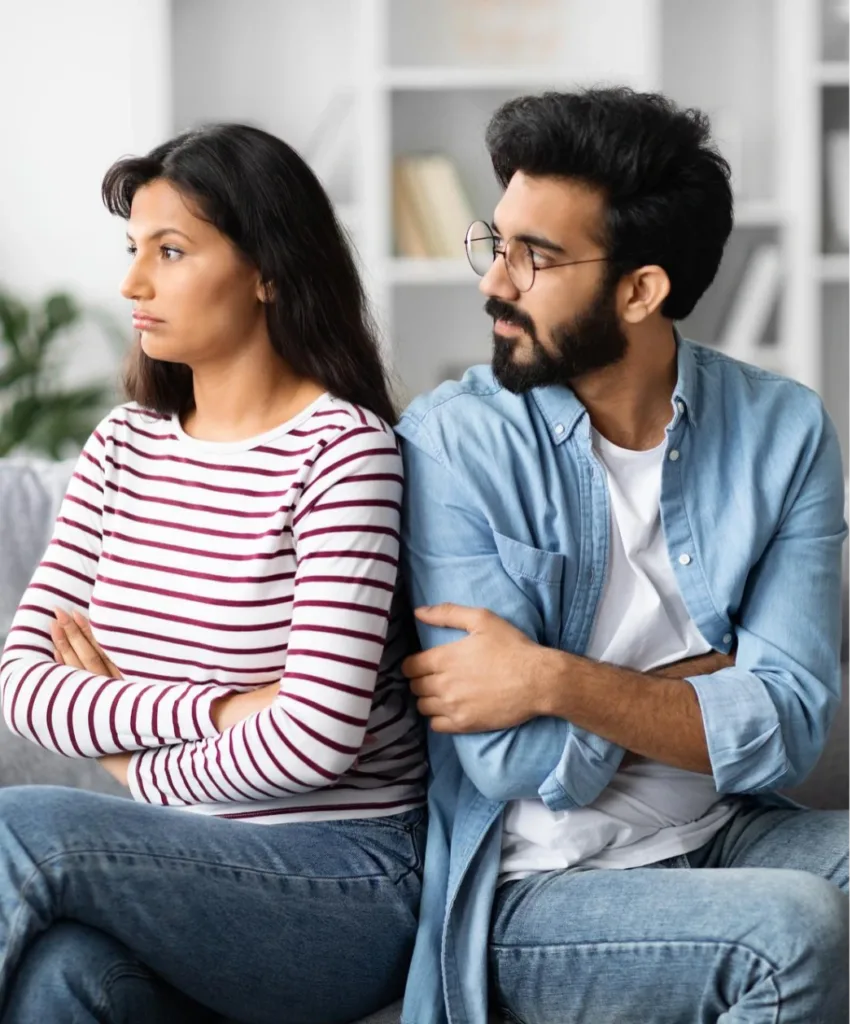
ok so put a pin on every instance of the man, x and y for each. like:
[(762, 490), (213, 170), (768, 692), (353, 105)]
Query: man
[(641, 539)]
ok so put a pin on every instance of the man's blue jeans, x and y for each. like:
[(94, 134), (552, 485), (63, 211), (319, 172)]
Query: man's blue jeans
[(117, 912), (750, 929)]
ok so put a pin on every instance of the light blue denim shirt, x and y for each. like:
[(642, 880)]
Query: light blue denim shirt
[(507, 508)]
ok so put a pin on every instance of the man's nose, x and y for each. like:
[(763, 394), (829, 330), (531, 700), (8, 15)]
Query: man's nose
[(497, 283)]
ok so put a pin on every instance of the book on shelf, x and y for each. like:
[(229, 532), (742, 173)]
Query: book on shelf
[(753, 302), (431, 208)]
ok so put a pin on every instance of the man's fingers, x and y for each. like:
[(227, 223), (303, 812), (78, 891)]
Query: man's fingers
[(424, 686), (454, 616), (429, 707), (424, 664)]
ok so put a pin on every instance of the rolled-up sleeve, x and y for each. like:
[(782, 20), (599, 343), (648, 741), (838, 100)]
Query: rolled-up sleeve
[(767, 718)]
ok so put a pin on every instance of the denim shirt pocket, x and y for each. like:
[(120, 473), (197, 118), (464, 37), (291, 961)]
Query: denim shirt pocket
[(538, 575)]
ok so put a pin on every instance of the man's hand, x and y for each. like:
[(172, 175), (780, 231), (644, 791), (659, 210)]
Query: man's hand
[(484, 682), (227, 711), (74, 645), (492, 679)]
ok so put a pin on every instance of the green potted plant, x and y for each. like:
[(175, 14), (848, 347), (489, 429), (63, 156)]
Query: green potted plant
[(36, 414)]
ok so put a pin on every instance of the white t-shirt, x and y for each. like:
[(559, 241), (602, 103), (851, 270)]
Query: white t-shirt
[(649, 811)]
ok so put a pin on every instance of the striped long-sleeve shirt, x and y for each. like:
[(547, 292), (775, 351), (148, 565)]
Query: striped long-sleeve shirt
[(212, 568)]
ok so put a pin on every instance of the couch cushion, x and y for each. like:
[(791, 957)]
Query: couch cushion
[(31, 491), (390, 1015)]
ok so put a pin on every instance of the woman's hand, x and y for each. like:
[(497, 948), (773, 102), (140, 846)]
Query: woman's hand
[(117, 765), (74, 645)]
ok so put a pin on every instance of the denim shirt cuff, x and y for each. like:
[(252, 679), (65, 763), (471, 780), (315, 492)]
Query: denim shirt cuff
[(585, 769), (743, 730)]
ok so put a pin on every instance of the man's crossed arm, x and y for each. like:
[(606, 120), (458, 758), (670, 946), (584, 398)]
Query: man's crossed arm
[(497, 678)]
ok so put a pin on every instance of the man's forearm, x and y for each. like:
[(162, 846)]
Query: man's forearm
[(651, 715)]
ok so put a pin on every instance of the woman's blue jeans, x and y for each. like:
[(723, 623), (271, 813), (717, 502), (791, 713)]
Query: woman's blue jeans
[(118, 912)]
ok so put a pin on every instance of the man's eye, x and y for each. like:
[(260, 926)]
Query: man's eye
[(539, 259)]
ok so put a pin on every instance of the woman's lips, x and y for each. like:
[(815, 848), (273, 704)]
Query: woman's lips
[(145, 323)]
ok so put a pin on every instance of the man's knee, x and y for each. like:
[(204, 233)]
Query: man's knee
[(804, 916)]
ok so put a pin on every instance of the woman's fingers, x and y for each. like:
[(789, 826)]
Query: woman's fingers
[(65, 653), (85, 628), (86, 655)]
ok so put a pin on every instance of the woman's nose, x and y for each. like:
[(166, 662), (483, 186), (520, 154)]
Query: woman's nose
[(136, 284)]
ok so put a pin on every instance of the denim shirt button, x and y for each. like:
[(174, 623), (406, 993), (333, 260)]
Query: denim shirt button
[(685, 559), (674, 455), (559, 430), (727, 638)]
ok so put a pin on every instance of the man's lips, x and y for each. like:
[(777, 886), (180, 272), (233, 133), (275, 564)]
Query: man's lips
[(505, 327)]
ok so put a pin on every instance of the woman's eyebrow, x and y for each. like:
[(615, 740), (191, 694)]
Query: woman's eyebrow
[(159, 234)]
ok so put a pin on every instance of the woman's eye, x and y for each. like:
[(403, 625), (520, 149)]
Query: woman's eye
[(170, 253), (131, 249)]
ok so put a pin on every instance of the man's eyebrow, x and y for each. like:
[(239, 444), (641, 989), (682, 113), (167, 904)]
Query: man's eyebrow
[(163, 231), (537, 240)]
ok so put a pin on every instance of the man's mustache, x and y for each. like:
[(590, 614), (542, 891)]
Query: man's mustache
[(497, 309)]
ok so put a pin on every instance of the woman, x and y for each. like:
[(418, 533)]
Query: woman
[(209, 621)]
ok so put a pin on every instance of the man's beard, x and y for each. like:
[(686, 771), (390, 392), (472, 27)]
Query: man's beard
[(594, 340)]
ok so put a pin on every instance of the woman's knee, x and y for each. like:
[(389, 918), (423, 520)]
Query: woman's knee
[(69, 972), (74, 972)]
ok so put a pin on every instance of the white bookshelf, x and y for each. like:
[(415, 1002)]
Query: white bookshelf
[(448, 78), (426, 76), (832, 72), (833, 268), (408, 270)]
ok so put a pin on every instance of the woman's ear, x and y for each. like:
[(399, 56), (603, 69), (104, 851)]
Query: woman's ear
[(265, 292)]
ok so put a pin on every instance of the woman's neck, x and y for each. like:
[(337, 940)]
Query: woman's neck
[(249, 393)]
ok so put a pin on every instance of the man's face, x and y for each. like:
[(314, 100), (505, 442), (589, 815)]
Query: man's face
[(566, 325)]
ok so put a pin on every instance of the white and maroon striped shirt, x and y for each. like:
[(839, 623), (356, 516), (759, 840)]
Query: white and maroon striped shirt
[(211, 568)]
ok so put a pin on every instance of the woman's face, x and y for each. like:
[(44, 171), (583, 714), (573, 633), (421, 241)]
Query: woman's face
[(195, 297)]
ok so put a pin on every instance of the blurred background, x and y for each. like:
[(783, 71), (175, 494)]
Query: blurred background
[(388, 99)]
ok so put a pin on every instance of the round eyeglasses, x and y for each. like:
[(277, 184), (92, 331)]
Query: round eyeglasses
[(483, 247)]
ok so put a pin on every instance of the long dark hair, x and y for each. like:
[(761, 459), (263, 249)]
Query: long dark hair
[(260, 193), (667, 187)]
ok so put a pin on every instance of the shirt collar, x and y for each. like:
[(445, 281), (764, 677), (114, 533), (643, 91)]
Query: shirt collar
[(563, 410), (686, 388)]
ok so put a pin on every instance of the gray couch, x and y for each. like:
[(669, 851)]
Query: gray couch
[(30, 493)]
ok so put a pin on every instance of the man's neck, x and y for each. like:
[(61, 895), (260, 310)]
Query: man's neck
[(629, 403)]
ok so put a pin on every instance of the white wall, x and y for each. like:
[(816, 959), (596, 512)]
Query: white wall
[(271, 63), (81, 84)]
